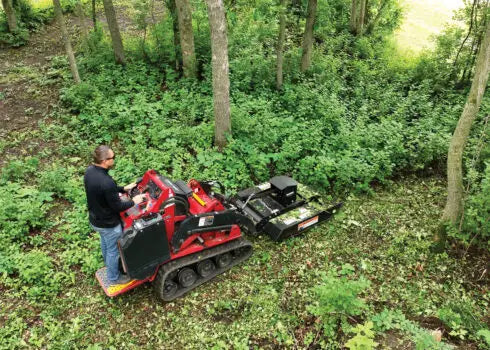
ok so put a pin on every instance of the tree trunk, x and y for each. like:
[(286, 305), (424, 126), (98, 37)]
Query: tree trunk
[(361, 19), (454, 204), (353, 16), (66, 39), (184, 14), (308, 36), (221, 81), (358, 16), (117, 44), (10, 12), (280, 43), (94, 14), (175, 25)]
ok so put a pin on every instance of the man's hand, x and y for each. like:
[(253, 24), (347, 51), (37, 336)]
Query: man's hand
[(139, 198), (129, 187)]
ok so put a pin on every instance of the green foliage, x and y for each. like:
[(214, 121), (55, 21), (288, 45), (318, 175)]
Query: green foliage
[(29, 18), (485, 335), (14, 39), (476, 224), (460, 318), (360, 116), (37, 277), (19, 169), (395, 319), (337, 298), (22, 209), (62, 181), (77, 96), (364, 338)]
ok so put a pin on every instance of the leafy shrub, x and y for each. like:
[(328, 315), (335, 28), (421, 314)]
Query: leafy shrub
[(364, 338), (460, 318), (16, 170), (29, 18), (15, 39), (62, 182), (395, 319), (477, 213), (22, 208), (77, 96), (37, 276), (337, 298)]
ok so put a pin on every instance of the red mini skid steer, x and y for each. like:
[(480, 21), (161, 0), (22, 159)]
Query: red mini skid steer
[(183, 235)]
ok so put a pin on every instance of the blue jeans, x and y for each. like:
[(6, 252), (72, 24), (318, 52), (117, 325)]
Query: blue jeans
[(110, 252)]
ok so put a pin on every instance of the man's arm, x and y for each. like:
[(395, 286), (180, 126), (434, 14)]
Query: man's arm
[(111, 195), (126, 188)]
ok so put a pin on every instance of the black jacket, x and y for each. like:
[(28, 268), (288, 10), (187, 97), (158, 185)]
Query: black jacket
[(103, 199)]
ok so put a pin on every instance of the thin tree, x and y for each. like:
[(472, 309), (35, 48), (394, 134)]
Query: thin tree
[(280, 43), (66, 39), (308, 36), (221, 80), (353, 16), (454, 204), (184, 14), (10, 12), (175, 26), (94, 14), (117, 44)]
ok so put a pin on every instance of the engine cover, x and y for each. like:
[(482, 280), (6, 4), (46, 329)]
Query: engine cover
[(144, 246)]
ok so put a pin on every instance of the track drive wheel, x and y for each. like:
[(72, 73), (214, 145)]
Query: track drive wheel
[(187, 277), (164, 288), (223, 260), (205, 268)]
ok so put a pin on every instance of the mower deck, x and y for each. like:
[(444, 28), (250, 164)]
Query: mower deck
[(282, 207)]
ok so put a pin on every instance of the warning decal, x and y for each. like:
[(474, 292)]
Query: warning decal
[(264, 186), (307, 223), (206, 220)]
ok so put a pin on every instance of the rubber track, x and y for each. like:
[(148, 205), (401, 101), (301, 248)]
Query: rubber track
[(166, 269)]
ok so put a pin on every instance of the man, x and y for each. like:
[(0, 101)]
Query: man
[(104, 205)]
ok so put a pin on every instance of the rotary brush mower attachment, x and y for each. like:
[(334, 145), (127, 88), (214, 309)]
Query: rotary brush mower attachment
[(282, 207)]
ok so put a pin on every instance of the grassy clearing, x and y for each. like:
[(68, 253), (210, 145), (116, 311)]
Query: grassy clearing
[(423, 19)]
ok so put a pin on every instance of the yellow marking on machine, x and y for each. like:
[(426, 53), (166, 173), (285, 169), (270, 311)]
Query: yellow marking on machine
[(198, 199), (117, 287)]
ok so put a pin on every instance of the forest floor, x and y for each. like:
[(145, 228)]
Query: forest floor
[(383, 236)]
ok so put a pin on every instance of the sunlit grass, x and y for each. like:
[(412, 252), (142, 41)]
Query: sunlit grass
[(424, 19), (40, 4)]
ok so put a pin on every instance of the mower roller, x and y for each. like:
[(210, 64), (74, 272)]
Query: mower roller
[(184, 234)]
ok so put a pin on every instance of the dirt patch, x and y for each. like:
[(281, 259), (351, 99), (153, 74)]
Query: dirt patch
[(24, 103), (26, 95)]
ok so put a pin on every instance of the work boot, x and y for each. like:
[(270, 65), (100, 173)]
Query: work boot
[(121, 280)]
